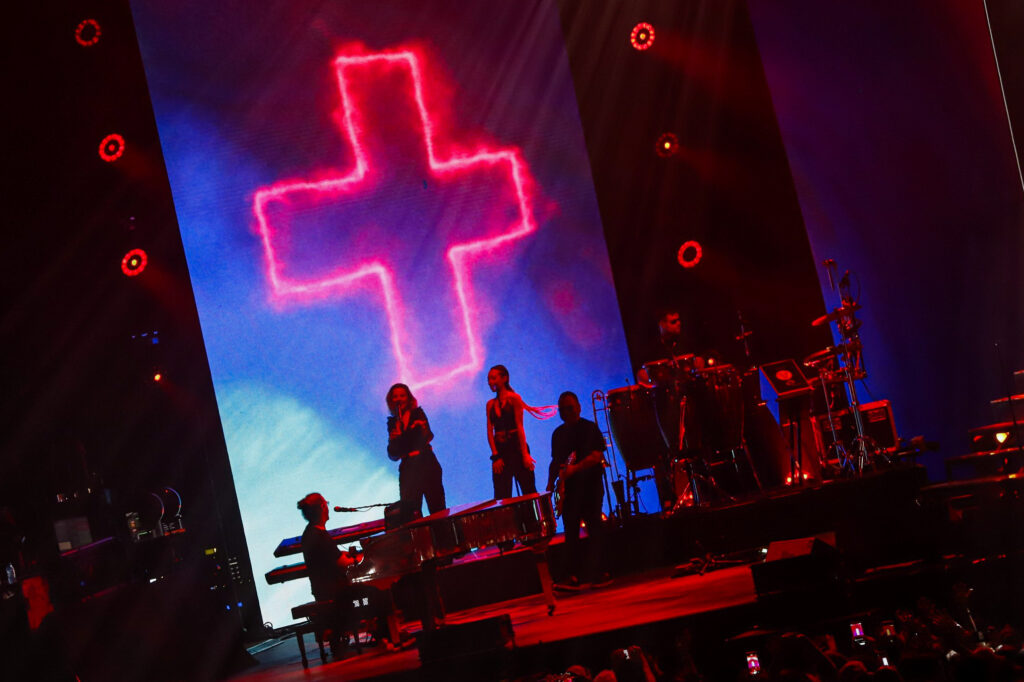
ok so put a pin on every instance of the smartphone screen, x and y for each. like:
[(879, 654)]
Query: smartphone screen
[(857, 633), (888, 629), (753, 664)]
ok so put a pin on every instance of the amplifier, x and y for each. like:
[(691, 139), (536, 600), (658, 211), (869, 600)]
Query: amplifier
[(879, 425)]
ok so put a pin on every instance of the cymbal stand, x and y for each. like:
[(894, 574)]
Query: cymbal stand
[(837, 447), (848, 324)]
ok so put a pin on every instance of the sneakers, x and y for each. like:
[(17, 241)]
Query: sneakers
[(572, 584)]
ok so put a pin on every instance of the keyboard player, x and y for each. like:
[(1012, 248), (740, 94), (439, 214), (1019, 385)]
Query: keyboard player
[(326, 566)]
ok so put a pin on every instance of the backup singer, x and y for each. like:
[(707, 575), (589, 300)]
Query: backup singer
[(409, 436), (577, 458), (510, 455)]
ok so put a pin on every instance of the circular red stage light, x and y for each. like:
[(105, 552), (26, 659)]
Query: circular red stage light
[(88, 32), (667, 145), (642, 36), (112, 147), (134, 262), (690, 253)]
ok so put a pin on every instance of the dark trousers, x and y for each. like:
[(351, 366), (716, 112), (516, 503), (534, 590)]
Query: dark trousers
[(582, 502), (420, 477), (514, 468), (354, 604)]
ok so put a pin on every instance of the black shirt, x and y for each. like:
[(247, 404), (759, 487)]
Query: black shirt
[(416, 437), (581, 437), (321, 555)]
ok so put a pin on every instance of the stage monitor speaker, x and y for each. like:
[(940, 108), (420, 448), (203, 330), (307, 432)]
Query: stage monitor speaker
[(801, 565), (487, 640)]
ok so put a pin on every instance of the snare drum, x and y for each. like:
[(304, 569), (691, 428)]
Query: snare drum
[(634, 427)]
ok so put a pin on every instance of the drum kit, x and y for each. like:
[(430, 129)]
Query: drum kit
[(685, 419)]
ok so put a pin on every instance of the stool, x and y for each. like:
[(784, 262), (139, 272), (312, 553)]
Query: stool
[(314, 613)]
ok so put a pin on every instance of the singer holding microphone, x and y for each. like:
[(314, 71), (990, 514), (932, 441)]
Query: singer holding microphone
[(409, 436)]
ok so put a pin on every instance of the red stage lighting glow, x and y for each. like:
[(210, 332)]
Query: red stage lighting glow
[(112, 147), (88, 33), (134, 262), (667, 145), (460, 255), (642, 36), (690, 253)]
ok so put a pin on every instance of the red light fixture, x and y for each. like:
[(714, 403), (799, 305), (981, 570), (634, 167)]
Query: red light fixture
[(134, 262), (88, 32), (667, 145), (690, 254), (642, 36), (111, 147), (158, 377)]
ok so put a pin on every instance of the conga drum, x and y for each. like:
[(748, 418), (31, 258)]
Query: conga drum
[(634, 427)]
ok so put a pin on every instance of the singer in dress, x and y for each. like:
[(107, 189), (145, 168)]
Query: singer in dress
[(409, 436)]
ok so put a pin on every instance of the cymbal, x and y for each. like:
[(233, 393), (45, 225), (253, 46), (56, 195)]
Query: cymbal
[(842, 311), (838, 376), (831, 352), (823, 355)]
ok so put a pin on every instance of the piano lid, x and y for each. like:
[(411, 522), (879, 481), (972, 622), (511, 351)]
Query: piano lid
[(290, 546)]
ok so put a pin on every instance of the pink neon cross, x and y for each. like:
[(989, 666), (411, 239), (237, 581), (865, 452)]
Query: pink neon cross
[(392, 222)]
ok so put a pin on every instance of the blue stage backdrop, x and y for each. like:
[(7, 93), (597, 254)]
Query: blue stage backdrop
[(371, 193)]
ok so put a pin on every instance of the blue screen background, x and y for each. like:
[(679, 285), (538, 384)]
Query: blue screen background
[(245, 96)]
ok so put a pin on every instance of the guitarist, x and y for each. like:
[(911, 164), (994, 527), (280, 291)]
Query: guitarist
[(577, 461)]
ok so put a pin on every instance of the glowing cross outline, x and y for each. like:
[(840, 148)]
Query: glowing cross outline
[(458, 255)]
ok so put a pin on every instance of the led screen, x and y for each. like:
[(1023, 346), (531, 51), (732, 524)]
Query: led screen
[(374, 192)]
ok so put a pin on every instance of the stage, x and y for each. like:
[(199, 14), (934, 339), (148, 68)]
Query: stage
[(793, 557), (608, 613)]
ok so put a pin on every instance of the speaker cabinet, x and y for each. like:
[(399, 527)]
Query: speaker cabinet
[(487, 640)]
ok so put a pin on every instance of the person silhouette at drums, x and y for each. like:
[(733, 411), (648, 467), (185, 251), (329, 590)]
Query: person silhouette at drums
[(668, 375)]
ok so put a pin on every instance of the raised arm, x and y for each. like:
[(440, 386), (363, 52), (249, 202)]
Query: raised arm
[(404, 441)]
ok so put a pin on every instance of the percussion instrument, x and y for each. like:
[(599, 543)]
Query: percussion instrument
[(634, 426), (667, 372), (720, 408)]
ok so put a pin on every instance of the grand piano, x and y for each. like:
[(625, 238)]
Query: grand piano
[(422, 546)]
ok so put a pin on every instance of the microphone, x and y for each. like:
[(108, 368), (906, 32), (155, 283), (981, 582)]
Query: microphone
[(345, 509), (830, 265)]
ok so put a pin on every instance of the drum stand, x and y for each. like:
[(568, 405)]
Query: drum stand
[(863, 447), (696, 481), (837, 448)]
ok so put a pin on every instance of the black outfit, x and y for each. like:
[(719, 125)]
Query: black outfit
[(583, 493), (419, 474), (506, 440), (321, 555), (329, 583)]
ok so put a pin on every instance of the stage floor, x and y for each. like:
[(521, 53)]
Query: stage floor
[(628, 602)]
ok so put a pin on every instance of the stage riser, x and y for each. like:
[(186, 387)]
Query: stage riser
[(876, 520)]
